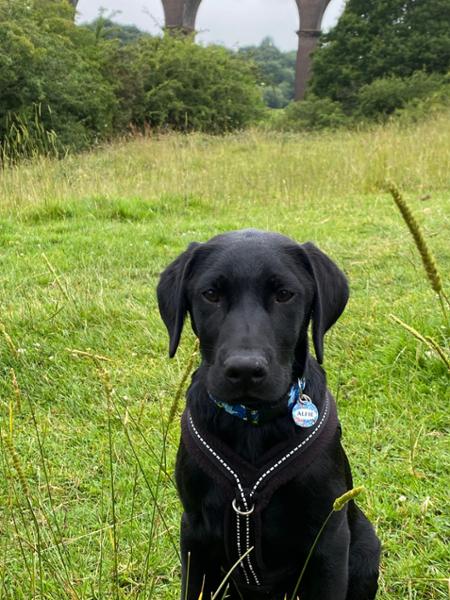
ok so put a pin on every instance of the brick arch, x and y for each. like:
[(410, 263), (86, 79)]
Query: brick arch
[(181, 15)]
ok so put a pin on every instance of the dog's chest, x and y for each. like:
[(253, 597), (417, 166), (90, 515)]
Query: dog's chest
[(284, 528)]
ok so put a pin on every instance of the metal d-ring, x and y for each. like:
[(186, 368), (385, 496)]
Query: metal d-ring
[(243, 513)]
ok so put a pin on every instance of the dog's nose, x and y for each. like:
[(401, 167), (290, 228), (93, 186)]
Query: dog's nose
[(245, 369)]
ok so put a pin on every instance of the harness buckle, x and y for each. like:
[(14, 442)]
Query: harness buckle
[(243, 513)]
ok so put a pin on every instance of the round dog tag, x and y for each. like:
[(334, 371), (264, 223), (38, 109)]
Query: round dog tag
[(304, 412)]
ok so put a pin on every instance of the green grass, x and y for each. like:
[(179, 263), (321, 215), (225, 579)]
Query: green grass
[(87, 503)]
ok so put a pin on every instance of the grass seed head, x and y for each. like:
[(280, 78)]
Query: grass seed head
[(340, 502), (429, 262)]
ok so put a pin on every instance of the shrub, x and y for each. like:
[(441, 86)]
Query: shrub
[(312, 114), (276, 71), (53, 70), (173, 82), (273, 97), (67, 86), (383, 97)]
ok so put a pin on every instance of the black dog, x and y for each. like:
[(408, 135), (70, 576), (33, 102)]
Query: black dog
[(260, 460)]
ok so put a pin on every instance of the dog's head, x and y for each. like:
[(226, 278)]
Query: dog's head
[(251, 296)]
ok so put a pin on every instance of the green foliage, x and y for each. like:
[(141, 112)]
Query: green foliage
[(106, 29), (312, 114), (173, 82), (276, 70), (384, 96), (419, 109), (380, 38), (50, 67), (68, 86), (405, 99)]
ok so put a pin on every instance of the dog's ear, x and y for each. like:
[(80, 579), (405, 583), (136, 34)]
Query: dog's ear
[(331, 293), (171, 292)]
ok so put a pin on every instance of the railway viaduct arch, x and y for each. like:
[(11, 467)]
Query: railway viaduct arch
[(181, 15)]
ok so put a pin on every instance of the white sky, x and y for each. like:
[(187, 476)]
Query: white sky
[(230, 22)]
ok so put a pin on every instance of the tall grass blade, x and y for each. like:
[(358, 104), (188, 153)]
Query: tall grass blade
[(427, 340), (338, 505), (227, 576), (104, 377), (187, 372)]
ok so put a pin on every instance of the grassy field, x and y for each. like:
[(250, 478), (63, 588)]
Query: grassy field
[(87, 503)]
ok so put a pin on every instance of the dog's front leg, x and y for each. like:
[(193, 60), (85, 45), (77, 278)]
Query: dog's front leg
[(200, 564), (326, 577)]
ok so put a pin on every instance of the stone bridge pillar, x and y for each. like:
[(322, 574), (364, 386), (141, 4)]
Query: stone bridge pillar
[(180, 14), (311, 13)]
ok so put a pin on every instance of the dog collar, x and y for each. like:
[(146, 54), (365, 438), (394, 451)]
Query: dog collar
[(254, 416)]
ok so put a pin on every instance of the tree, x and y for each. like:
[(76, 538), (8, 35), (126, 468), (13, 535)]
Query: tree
[(276, 69), (64, 86), (381, 38), (52, 75), (107, 29)]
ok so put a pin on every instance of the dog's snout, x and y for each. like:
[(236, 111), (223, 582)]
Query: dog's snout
[(245, 369)]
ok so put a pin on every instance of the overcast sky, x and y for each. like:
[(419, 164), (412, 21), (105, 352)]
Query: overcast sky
[(230, 22)]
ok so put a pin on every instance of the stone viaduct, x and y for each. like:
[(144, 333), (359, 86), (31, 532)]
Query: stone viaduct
[(181, 15)]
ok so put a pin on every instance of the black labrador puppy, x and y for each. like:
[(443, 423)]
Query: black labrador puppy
[(260, 460)]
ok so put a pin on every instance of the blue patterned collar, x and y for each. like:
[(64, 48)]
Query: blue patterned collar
[(254, 416)]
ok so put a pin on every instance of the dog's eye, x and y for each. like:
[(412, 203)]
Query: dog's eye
[(283, 296), (211, 295)]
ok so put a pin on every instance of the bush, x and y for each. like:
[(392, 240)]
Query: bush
[(274, 97), (276, 71), (419, 109), (172, 82), (312, 114), (382, 97), (51, 77), (67, 86)]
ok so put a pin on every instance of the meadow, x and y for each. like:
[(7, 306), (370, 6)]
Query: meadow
[(89, 401)]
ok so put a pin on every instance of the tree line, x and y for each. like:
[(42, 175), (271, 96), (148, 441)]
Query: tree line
[(64, 85)]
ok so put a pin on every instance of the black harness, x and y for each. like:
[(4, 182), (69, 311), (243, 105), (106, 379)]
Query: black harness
[(248, 489)]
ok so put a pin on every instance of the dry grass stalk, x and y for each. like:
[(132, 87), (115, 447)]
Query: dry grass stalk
[(86, 354), (106, 382), (187, 372), (9, 341), (57, 280), (227, 576), (18, 467), (16, 390), (427, 340)]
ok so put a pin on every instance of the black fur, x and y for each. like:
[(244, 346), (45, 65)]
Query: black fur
[(251, 296)]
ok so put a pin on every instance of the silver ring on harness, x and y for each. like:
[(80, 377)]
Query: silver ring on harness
[(243, 513)]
